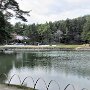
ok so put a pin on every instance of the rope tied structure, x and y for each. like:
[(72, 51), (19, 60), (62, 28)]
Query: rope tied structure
[(35, 83), (51, 82), (25, 79), (12, 78), (68, 86), (3, 74)]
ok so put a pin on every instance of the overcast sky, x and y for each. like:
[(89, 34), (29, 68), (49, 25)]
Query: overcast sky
[(54, 10)]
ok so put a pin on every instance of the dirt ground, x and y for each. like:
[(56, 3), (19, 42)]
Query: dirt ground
[(6, 87)]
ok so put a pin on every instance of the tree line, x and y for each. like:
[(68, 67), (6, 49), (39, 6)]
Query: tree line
[(69, 31)]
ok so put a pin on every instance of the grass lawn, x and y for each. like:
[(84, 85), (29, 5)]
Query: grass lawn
[(70, 46)]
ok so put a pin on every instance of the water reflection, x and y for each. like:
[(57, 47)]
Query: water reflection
[(69, 62), (6, 64), (31, 60), (62, 66)]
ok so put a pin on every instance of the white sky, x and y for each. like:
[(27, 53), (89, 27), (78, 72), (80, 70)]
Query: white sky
[(54, 10)]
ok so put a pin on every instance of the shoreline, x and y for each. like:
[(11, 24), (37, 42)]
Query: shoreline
[(44, 48)]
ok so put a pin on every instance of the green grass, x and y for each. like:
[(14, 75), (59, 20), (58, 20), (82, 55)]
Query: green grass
[(69, 46)]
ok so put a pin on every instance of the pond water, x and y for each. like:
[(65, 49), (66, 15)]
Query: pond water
[(63, 67)]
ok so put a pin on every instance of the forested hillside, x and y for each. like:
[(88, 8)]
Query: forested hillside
[(69, 31)]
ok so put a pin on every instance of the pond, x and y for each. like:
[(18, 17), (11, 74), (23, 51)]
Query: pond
[(62, 67)]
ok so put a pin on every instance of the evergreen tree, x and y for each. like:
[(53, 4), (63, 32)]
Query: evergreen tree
[(5, 14)]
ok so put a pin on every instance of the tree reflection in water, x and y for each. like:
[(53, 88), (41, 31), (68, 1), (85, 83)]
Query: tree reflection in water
[(48, 64)]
